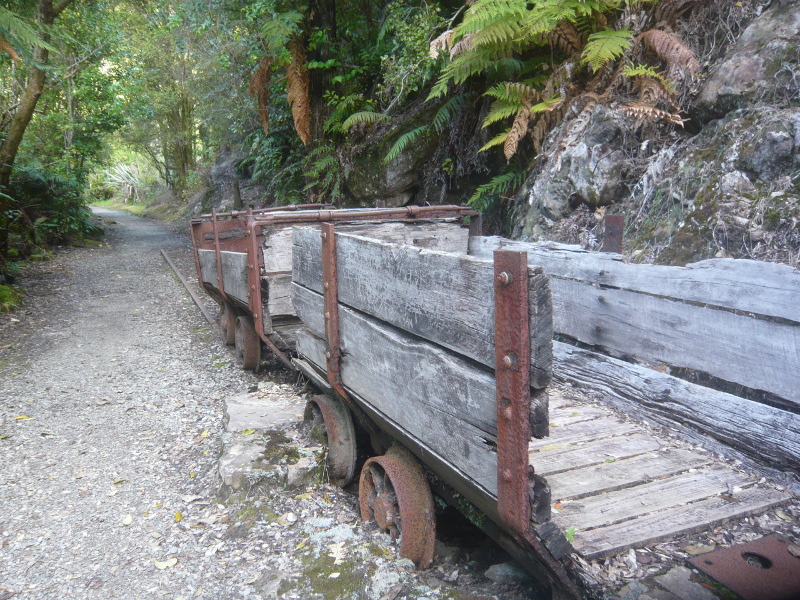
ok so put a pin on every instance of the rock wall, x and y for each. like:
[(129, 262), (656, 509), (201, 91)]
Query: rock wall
[(727, 185)]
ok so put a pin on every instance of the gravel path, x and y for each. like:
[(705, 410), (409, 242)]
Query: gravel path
[(112, 392)]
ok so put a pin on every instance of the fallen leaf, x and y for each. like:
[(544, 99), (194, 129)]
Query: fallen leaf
[(3, 436), (337, 552), (286, 519), (782, 515), (80, 475), (204, 434), (170, 562), (301, 545), (190, 499), (23, 418), (699, 549), (118, 481), (214, 549), (112, 493), (192, 474), (794, 550), (101, 402), (334, 576), (127, 520), (248, 432), (305, 496), (178, 516), (575, 414), (551, 447)]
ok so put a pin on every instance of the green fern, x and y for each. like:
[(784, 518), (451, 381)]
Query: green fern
[(365, 116), (403, 141), (448, 111), (500, 138), (20, 32), (639, 70), (605, 46), (502, 184)]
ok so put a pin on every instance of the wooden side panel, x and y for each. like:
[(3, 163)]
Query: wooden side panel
[(445, 235), (208, 267), (234, 274), (279, 295), (442, 297), (434, 395), (741, 423), (737, 348), (758, 287)]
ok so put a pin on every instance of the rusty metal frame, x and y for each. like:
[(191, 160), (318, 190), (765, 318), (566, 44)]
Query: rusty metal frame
[(614, 226), (330, 293), (217, 252), (512, 360)]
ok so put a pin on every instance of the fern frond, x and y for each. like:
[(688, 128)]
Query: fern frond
[(500, 138), (501, 184), (259, 89), (501, 110), (646, 111), (367, 117), (19, 32), (566, 39), (520, 93), (447, 112), (279, 29), (605, 46), (671, 50), (297, 81), (403, 141), (518, 130), (441, 43)]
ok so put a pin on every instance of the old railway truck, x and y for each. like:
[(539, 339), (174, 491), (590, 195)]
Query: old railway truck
[(439, 344)]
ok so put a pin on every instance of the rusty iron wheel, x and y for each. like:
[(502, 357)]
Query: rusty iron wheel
[(227, 324), (394, 492), (331, 418), (248, 344)]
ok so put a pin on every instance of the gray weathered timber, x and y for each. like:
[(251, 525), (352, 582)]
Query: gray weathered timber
[(558, 460), (234, 274), (610, 474), (446, 235), (742, 423), (580, 432), (752, 286), (278, 295), (442, 297), (431, 393), (621, 505), (208, 267), (689, 518), (752, 352)]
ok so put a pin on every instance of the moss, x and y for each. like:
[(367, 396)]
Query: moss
[(10, 298), (351, 582), (279, 450)]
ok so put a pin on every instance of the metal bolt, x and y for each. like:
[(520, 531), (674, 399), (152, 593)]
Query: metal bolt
[(507, 361), (328, 355), (326, 285), (324, 235), (328, 316), (507, 475), (510, 361), (504, 278)]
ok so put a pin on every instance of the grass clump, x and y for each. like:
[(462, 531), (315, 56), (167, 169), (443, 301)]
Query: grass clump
[(10, 298)]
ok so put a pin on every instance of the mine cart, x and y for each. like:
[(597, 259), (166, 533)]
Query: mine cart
[(244, 261), (445, 359)]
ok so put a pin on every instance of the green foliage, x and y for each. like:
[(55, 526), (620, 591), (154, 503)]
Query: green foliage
[(488, 193), (367, 117), (404, 141), (10, 298), (324, 172), (605, 46), (639, 70)]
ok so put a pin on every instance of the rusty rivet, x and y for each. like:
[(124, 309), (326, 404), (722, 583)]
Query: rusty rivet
[(598, 329), (328, 315), (328, 355), (510, 361), (507, 361), (324, 236), (327, 285), (504, 278), (506, 475), (601, 299)]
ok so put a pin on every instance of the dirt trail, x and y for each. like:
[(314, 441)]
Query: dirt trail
[(112, 400), (111, 404)]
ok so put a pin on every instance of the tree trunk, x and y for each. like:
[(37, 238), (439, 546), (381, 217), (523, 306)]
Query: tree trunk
[(22, 117), (322, 16)]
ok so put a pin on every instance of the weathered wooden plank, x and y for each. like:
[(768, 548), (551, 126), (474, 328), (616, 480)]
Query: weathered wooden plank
[(445, 235), (628, 503), (564, 458), (208, 267), (610, 474), (433, 394), (744, 424), (234, 274), (581, 432), (278, 295), (689, 518), (654, 329), (758, 287), (564, 417), (445, 298)]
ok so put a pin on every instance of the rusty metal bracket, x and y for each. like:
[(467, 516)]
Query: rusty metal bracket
[(614, 229), (218, 254), (512, 364), (330, 285)]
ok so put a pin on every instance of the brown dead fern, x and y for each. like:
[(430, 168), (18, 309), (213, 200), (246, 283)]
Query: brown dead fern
[(297, 83), (566, 39), (518, 130), (680, 60), (259, 89), (6, 47), (647, 113), (441, 43)]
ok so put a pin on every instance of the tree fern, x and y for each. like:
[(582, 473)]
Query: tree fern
[(605, 46), (19, 33), (403, 141), (365, 116)]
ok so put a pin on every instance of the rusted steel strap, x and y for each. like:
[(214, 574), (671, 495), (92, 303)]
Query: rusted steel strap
[(220, 284), (513, 357), (330, 289)]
